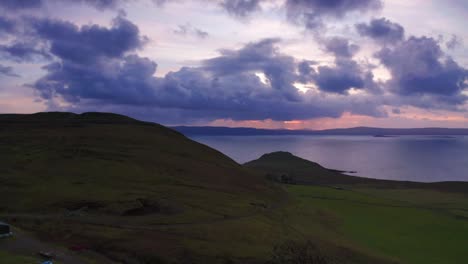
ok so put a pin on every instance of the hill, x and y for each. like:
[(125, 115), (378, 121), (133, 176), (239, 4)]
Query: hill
[(408, 222), (355, 131), (105, 188), (63, 170), (299, 170), (65, 160), (302, 171)]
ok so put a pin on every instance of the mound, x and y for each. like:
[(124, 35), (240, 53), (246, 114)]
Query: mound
[(54, 162), (298, 170)]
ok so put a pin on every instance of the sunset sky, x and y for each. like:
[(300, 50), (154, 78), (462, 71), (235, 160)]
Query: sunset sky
[(293, 64)]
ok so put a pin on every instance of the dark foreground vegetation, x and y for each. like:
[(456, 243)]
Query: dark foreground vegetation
[(104, 188)]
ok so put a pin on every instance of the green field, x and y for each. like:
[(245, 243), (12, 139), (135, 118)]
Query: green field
[(135, 192), (410, 229), (15, 259)]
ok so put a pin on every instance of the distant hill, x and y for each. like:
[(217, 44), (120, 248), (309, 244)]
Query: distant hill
[(297, 170), (300, 170), (372, 131)]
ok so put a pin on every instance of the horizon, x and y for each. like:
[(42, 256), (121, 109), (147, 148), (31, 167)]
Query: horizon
[(406, 128), (265, 64), (241, 127)]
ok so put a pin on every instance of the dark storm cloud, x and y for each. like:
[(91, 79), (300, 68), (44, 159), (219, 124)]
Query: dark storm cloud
[(305, 71), (7, 26), (20, 4), (223, 87), (344, 75), (340, 47), (336, 8), (93, 61), (422, 74), (382, 30), (126, 80), (94, 67), (420, 69), (23, 52), (218, 86), (101, 4), (34, 4), (89, 43), (261, 57), (311, 12), (30, 37), (8, 71)]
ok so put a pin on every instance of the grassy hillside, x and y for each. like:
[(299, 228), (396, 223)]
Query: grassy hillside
[(112, 164), (404, 221), (403, 228), (63, 171), (127, 191)]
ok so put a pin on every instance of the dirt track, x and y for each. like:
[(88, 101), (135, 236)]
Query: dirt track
[(22, 243)]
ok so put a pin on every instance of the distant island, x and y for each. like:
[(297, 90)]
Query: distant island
[(364, 131)]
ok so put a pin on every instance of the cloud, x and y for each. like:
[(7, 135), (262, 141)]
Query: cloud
[(340, 78), (240, 8), (34, 4), (126, 80), (94, 67), (421, 70), (89, 43), (20, 4), (7, 71), (311, 12), (93, 61), (201, 34), (225, 87), (101, 4), (264, 57), (344, 75), (23, 52), (382, 30), (7, 26), (454, 42), (341, 47), (189, 30), (19, 44)]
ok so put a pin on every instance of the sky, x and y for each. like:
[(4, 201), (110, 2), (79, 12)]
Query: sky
[(294, 64)]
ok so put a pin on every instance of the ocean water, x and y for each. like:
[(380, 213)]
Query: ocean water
[(413, 158)]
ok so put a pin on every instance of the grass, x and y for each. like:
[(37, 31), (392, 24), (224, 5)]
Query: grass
[(101, 166), (61, 162), (405, 230), (201, 205), (16, 259)]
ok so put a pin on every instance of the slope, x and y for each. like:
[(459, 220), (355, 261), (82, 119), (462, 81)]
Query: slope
[(408, 222)]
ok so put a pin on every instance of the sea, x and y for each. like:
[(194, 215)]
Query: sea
[(409, 158)]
